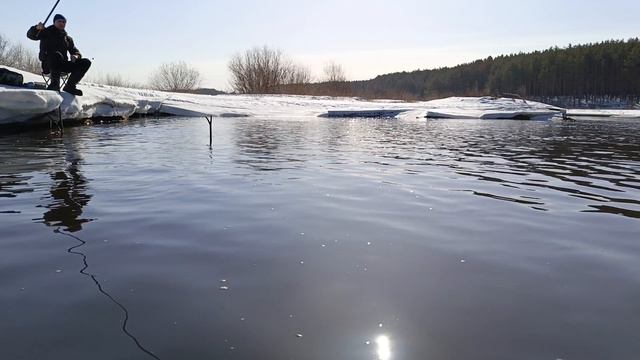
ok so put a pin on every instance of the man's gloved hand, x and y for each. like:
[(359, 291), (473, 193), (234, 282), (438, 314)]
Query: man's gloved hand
[(40, 26), (74, 58)]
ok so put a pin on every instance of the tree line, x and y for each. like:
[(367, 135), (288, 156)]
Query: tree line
[(606, 69), (609, 69)]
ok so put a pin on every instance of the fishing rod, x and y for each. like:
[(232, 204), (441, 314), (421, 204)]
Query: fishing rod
[(48, 16), (52, 10)]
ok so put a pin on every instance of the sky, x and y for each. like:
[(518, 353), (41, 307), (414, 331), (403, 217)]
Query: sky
[(368, 38)]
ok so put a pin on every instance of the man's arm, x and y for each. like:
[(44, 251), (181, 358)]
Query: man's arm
[(36, 32), (73, 50)]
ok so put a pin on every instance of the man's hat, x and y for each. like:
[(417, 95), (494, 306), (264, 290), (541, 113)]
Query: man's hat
[(59, 17)]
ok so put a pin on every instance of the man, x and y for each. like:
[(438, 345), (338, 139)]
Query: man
[(55, 48)]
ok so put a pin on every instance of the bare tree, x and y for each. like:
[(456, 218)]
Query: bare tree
[(298, 80), (335, 79), (18, 56), (4, 44), (263, 70), (299, 74), (176, 77), (14, 55), (27, 60), (334, 72), (114, 80), (258, 70)]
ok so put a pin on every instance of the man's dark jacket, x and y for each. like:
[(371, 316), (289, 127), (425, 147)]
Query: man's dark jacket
[(53, 40)]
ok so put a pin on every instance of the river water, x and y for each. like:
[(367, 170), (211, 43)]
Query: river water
[(322, 239)]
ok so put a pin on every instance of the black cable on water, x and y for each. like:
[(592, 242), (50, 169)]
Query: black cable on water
[(71, 250)]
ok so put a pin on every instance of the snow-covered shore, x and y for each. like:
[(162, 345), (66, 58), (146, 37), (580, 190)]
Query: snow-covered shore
[(604, 113), (21, 105)]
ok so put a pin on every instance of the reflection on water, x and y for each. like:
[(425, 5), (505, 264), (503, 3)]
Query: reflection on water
[(568, 159), (12, 185), (68, 193), (466, 239), (262, 145), (526, 162), (68, 196), (576, 165), (384, 347)]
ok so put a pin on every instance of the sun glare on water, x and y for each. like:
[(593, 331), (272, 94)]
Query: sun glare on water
[(384, 347)]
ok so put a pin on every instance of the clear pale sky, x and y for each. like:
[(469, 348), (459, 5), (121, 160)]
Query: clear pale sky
[(368, 38)]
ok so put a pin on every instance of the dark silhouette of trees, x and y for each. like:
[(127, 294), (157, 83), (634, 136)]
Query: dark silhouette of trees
[(607, 69), (600, 71)]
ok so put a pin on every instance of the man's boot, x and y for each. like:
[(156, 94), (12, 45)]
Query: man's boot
[(81, 68), (73, 80), (71, 89)]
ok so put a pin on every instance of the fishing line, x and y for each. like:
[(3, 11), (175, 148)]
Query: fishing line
[(71, 250)]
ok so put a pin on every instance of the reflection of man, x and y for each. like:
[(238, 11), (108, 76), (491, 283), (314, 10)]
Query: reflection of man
[(69, 198), (55, 47)]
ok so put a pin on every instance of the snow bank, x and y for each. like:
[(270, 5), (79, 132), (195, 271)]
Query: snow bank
[(17, 105), (491, 108), (24, 105), (591, 113)]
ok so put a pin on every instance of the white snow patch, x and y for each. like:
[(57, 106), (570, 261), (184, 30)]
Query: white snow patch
[(594, 113), (491, 108), (21, 105), (17, 105)]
